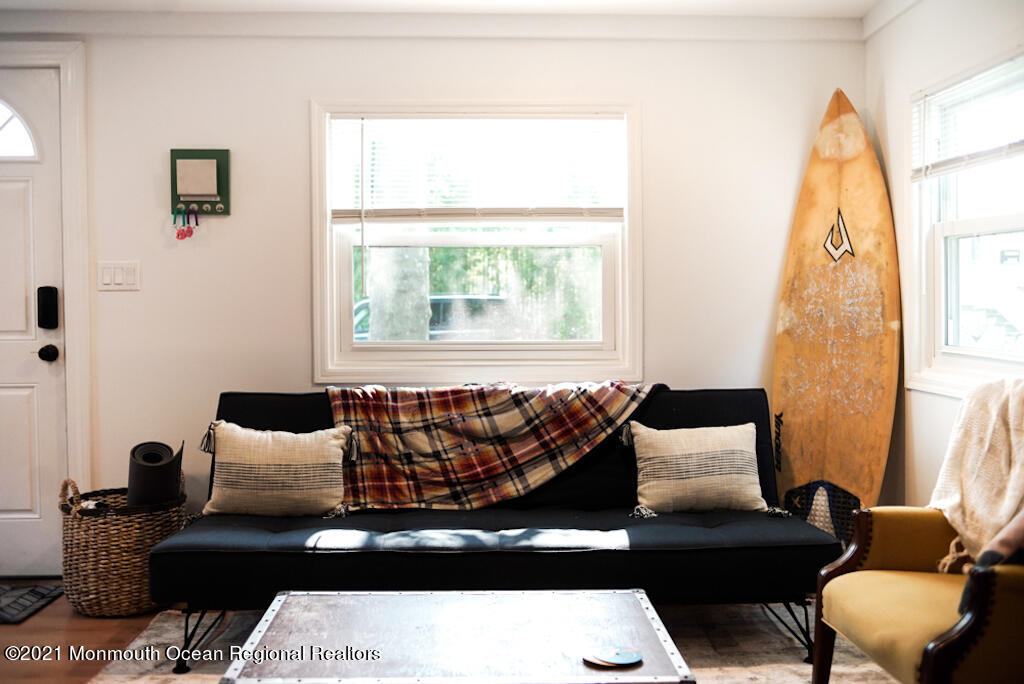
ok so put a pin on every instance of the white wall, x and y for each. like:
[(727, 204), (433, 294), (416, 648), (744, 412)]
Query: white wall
[(729, 113), (727, 127), (932, 42)]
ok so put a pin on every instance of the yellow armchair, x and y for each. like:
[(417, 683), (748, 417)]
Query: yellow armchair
[(885, 595)]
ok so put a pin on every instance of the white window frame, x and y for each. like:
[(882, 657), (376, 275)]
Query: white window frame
[(933, 365), (337, 359)]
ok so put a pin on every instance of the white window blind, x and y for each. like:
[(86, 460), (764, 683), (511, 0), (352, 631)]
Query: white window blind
[(454, 168), (976, 121)]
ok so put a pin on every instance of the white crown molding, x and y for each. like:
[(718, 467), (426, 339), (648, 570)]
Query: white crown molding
[(724, 8), (884, 13), (326, 25)]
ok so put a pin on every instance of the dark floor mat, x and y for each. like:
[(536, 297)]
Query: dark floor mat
[(17, 602)]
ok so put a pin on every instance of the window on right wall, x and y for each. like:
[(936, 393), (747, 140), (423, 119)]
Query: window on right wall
[(968, 197)]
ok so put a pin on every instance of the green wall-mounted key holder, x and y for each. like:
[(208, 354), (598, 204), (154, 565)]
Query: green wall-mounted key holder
[(200, 181)]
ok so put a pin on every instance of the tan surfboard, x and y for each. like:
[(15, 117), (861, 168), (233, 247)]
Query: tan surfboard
[(838, 334)]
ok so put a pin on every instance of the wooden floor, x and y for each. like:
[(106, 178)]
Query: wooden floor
[(59, 625)]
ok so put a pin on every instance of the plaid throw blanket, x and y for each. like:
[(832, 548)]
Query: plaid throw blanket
[(469, 446)]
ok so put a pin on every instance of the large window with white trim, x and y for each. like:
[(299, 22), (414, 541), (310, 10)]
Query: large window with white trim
[(462, 244), (968, 194)]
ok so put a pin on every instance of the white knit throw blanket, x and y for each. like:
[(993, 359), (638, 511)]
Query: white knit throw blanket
[(981, 483)]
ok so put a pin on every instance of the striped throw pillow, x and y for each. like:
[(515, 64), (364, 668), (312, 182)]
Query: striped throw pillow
[(261, 472), (697, 469)]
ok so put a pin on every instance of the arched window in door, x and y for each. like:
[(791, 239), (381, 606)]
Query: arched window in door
[(15, 140)]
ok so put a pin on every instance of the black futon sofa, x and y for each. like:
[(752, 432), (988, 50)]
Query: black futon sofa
[(573, 532)]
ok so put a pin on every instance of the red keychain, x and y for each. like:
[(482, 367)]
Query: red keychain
[(179, 233), (185, 231)]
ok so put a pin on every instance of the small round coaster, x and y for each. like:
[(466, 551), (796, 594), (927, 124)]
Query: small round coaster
[(615, 657)]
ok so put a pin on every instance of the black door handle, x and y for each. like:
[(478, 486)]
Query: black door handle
[(47, 313), (49, 353)]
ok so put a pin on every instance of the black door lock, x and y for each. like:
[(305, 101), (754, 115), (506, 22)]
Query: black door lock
[(47, 315)]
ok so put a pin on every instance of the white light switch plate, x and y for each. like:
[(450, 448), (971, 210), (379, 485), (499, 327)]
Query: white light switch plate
[(118, 275)]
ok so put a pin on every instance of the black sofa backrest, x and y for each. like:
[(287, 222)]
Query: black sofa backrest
[(605, 478)]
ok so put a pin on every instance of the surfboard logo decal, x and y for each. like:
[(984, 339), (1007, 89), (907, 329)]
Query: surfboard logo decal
[(844, 246)]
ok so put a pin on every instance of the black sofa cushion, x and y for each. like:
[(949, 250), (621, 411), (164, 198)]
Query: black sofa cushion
[(494, 530), (721, 554)]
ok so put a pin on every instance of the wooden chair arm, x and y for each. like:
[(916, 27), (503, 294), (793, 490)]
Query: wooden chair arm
[(984, 645), (893, 538)]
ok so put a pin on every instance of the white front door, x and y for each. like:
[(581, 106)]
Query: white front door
[(33, 451)]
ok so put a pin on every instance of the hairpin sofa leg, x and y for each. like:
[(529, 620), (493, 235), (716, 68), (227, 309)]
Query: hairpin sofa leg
[(181, 666), (803, 636)]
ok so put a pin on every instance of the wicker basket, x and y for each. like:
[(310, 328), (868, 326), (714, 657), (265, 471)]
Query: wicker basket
[(106, 548)]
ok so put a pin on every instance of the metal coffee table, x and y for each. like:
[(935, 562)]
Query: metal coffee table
[(478, 637)]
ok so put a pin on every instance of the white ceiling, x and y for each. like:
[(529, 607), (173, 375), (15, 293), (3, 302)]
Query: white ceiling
[(844, 9)]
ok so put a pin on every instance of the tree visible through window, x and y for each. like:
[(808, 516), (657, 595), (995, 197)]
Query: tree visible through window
[(485, 293)]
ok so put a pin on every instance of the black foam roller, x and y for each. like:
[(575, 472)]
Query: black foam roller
[(154, 473)]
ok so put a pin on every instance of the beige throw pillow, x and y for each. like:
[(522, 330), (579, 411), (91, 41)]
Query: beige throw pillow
[(697, 469), (261, 472)]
